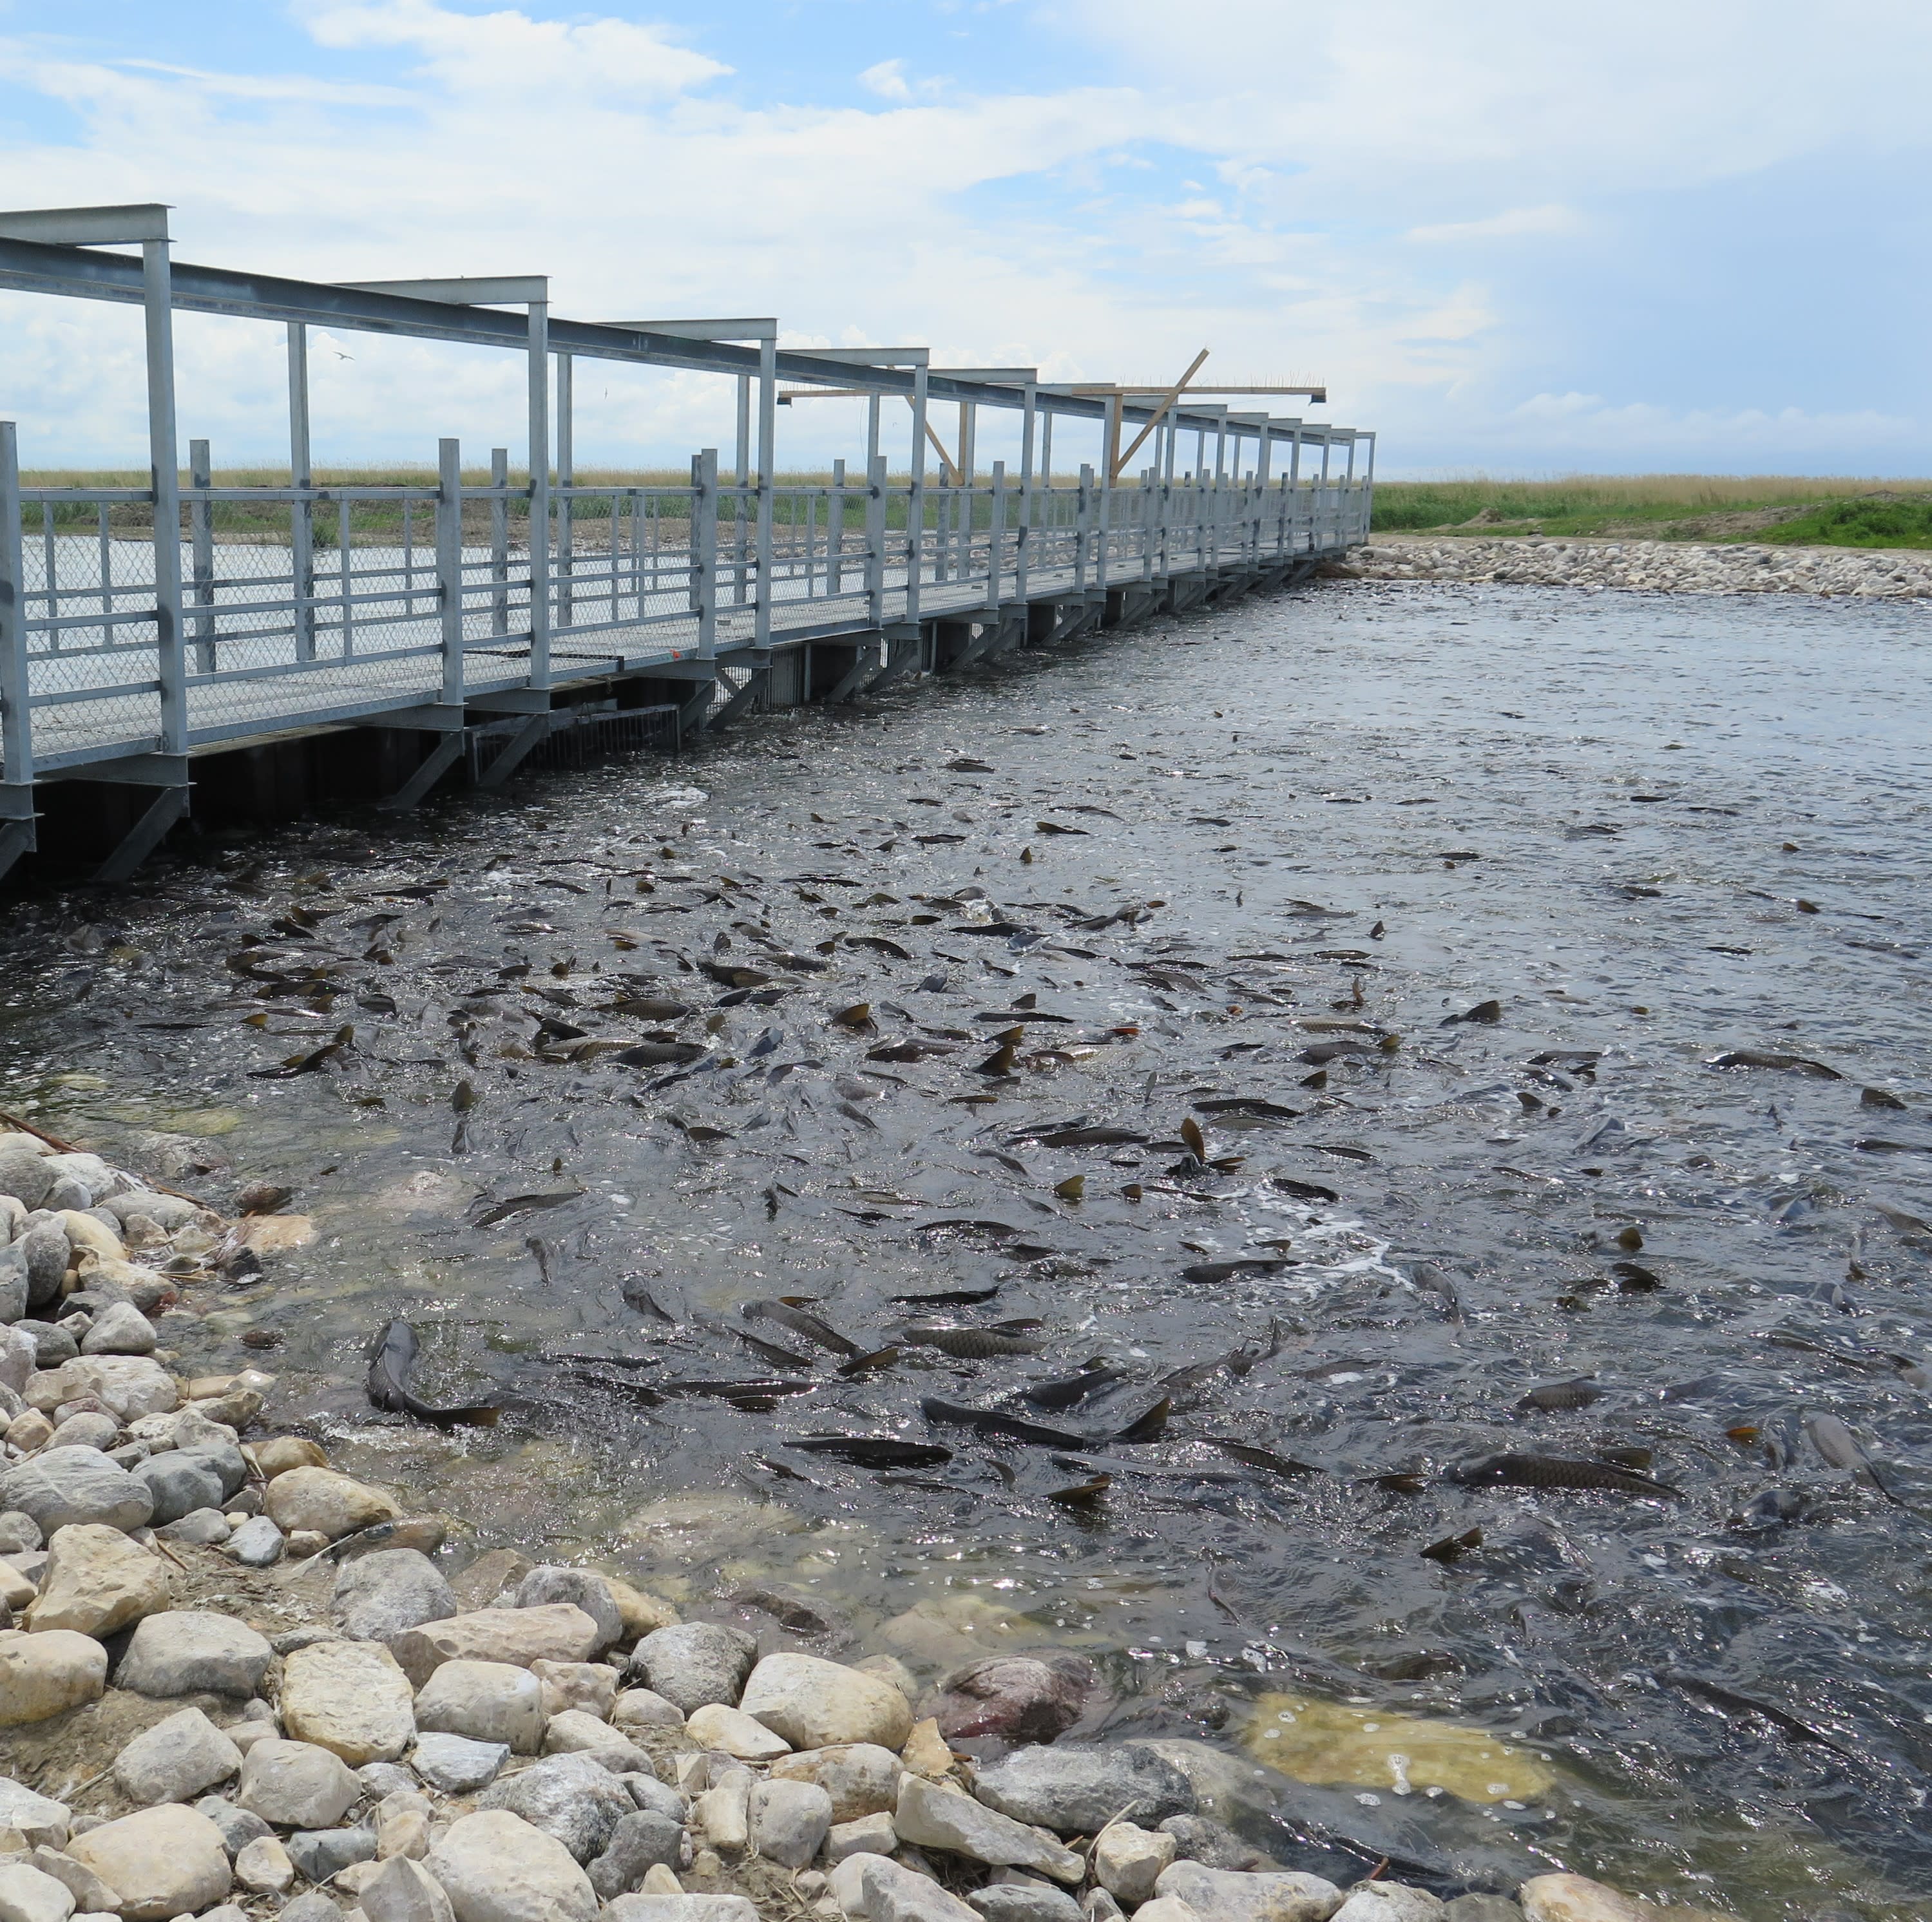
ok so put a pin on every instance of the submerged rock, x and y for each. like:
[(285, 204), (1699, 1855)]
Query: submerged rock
[(1336, 1744), (1015, 1696)]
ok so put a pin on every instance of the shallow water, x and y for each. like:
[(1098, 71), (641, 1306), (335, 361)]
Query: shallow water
[(1652, 830)]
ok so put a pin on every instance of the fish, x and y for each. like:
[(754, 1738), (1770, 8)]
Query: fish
[(770, 1351), (1284, 1465), (1839, 1447), (1068, 1389), (1551, 1396), (1303, 1191), (1080, 1494), (864, 1364), (524, 1205), (970, 1343), (874, 1451), (1558, 1471), (659, 1054), (1250, 1108), (1796, 1064), (390, 1362), (1427, 1277), (1229, 1271), (1770, 1508), (1451, 1546), (1149, 1427), (788, 1314), (998, 1422), (1488, 1013), (649, 1008), (1729, 1699), (948, 1297)]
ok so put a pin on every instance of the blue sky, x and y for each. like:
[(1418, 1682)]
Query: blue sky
[(1513, 238)]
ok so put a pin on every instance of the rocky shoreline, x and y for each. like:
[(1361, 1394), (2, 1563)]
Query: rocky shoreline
[(1667, 567), (235, 1684)]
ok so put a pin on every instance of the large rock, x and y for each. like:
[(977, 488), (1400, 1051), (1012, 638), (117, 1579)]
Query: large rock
[(642, 1708), (64, 1486), (91, 1894), (454, 1763), (790, 1821), (571, 1797), (549, 1583), (1014, 1697), (24, 1172), (38, 1818), (402, 1891), (192, 1651), (573, 1732), (681, 1909), (96, 1581), (861, 1777), (815, 1703), (1128, 1860), (120, 1330), (46, 1674), (1026, 1900), (380, 1594), (642, 1839), (1074, 1789), (931, 1815), (324, 1502), (692, 1663), (161, 1862), (27, 1894), (561, 1633), (295, 1785), (351, 1698), (591, 1686), (734, 1733), (1226, 1893), (487, 1701), (870, 1888), (1574, 1899), (178, 1484), (1390, 1902), (495, 1867), (176, 1760), (128, 1386)]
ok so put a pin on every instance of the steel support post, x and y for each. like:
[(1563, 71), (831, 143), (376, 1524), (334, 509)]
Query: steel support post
[(704, 549), (742, 472), (1046, 450), (1322, 505), (164, 467), (539, 675), (301, 511), (1023, 541), (1083, 538), (449, 565), (1294, 475), (1368, 492), (916, 497), (875, 538), (566, 478), (996, 544), (499, 540), (16, 738), (201, 529), (1169, 433), (768, 427)]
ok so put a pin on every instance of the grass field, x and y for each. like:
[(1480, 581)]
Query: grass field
[(1845, 511)]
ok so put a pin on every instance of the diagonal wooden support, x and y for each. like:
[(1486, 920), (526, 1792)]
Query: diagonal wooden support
[(16, 838), (439, 761), (166, 808)]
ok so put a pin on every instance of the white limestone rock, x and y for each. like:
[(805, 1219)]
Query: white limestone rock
[(39, 1820), (861, 1777), (495, 1867), (46, 1674), (161, 1862), (454, 1763), (815, 1705), (193, 1651), (27, 1894), (319, 1502), (485, 1701), (176, 1760), (380, 1594), (296, 1785), (351, 1698), (871, 1888), (1285, 1896), (790, 1821), (96, 1581), (930, 1814), (1127, 1861), (402, 1891), (62, 1487), (714, 1726)]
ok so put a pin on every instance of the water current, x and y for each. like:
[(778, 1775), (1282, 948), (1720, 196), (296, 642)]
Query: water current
[(1430, 993)]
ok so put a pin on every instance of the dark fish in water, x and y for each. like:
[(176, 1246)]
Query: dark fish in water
[(636, 1296), (1069, 1389), (1558, 1471), (875, 1451), (648, 1008), (1578, 1393), (1770, 1508), (1428, 1278), (770, 1351), (1251, 1109), (1399, 1481), (1303, 1191), (1227, 1271), (1796, 1064), (1088, 1137), (1734, 1704), (1878, 1097), (970, 1343), (789, 1314), (1081, 1494), (1451, 1546), (865, 1364), (997, 1422), (659, 1054), (390, 1362), (1839, 1447), (948, 1297), (1149, 1427), (1488, 1013), (524, 1205), (1285, 1465)]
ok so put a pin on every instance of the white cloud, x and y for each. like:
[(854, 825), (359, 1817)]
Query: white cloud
[(1517, 223), (887, 78)]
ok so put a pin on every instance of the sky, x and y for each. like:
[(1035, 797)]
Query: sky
[(1513, 238)]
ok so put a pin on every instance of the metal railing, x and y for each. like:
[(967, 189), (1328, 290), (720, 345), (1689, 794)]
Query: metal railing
[(299, 605)]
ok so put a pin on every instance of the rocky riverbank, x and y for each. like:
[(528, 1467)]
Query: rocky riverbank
[(235, 1683), (1666, 567)]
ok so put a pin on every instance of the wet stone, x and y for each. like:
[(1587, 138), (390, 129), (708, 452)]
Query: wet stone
[(1014, 1697), (548, 1584)]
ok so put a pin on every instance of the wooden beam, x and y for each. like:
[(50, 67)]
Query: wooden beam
[(1173, 394)]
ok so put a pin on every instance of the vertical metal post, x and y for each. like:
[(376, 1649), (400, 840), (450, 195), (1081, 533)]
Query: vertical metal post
[(1168, 435), (1029, 416), (704, 549), (499, 540), (1046, 450), (741, 471), (539, 443), (966, 510), (835, 532), (996, 545), (566, 477), (768, 428), (1103, 514), (1368, 492), (1322, 504), (449, 565), (16, 738), (875, 538), (1264, 446), (164, 469), (916, 497), (302, 512), (1083, 535), (201, 525)]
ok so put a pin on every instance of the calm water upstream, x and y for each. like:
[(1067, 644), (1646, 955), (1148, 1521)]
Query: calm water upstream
[(1275, 852)]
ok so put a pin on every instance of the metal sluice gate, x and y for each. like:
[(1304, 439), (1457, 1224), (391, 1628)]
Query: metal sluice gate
[(141, 628)]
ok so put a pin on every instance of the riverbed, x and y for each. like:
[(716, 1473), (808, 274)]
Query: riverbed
[(1340, 1014)]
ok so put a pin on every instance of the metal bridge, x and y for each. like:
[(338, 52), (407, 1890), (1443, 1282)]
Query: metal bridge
[(142, 627)]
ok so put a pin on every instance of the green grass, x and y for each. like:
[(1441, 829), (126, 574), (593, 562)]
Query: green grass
[(1838, 511)]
